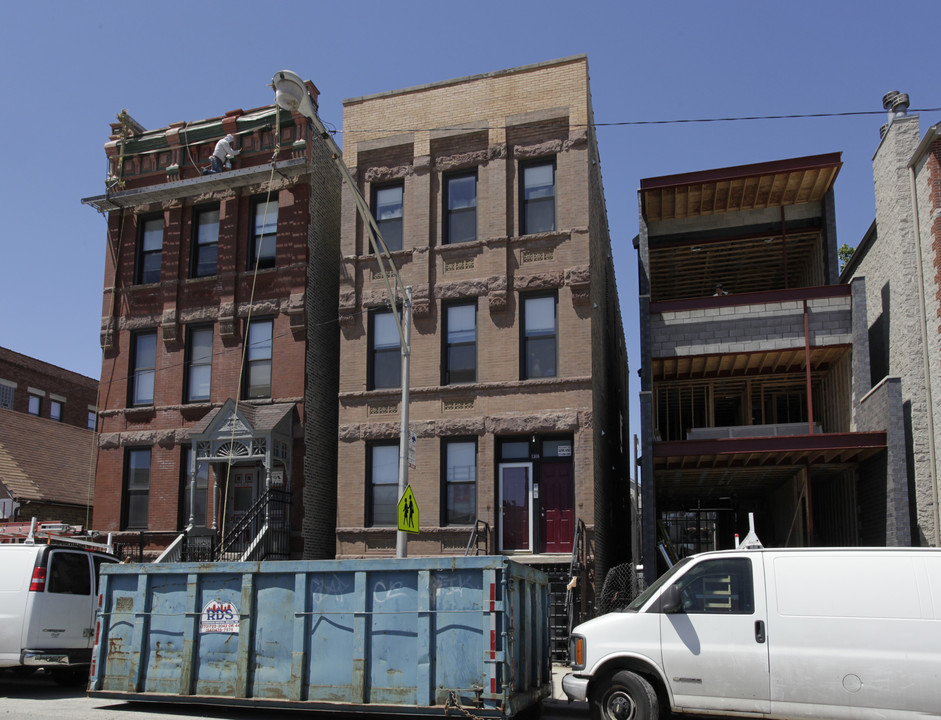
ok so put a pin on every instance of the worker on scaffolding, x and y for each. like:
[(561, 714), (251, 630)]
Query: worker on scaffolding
[(223, 154)]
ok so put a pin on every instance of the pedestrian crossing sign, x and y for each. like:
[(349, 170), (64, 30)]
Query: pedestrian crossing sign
[(408, 512)]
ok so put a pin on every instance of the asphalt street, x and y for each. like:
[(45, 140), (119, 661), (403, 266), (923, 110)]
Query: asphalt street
[(38, 698)]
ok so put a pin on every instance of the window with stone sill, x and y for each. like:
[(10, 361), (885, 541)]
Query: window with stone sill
[(149, 250), (387, 205), (384, 348), (460, 343), (539, 336), (143, 367), (459, 491), (205, 242), (198, 363), (136, 489), (537, 197), (382, 469), (264, 233), (460, 215), (259, 336)]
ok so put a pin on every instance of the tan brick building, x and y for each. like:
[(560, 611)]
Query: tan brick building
[(488, 192)]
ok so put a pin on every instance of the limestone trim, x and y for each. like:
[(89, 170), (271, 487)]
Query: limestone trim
[(578, 382), (185, 407), (550, 421)]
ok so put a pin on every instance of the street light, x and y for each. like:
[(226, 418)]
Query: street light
[(291, 94)]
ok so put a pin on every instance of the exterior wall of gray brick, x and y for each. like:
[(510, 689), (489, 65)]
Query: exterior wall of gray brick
[(928, 210), (893, 297), (751, 328), (883, 481), (861, 367)]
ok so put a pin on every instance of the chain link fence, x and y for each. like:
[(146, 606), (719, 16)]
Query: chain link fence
[(620, 587)]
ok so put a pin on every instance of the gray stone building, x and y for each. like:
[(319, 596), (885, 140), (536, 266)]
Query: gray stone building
[(900, 259), (753, 355)]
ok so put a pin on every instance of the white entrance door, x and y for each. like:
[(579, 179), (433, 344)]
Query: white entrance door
[(516, 506)]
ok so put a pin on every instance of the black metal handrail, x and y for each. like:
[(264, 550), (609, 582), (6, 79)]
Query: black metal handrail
[(132, 546), (480, 527), (576, 565), (268, 515)]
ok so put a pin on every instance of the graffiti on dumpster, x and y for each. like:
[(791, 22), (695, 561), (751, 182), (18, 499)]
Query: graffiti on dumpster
[(219, 616)]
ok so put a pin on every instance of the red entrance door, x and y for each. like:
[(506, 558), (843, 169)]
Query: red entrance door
[(557, 507)]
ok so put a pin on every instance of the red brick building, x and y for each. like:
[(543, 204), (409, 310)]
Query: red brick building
[(205, 329), (47, 451), (39, 388)]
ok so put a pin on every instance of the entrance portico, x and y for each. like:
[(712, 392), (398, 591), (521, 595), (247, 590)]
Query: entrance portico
[(250, 447)]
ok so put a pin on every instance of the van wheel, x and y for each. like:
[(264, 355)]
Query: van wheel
[(626, 696)]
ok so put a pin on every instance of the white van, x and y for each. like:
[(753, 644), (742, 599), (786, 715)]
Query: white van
[(802, 633), (47, 608)]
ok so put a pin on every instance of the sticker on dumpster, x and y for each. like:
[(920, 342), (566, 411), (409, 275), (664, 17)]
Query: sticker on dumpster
[(219, 617)]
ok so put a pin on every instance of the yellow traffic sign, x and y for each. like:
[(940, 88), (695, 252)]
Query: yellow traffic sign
[(408, 512)]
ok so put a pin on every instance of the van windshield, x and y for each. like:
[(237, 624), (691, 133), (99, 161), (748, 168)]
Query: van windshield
[(639, 601)]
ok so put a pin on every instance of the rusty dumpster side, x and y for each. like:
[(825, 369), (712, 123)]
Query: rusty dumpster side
[(395, 636)]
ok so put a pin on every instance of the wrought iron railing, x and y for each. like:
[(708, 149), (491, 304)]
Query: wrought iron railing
[(140, 546), (199, 545), (263, 533), (481, 528), (577, 564)]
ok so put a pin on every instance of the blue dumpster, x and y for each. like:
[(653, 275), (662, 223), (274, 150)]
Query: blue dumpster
[(393, 636)]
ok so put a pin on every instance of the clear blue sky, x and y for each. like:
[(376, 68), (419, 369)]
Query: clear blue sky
[(68, 67)]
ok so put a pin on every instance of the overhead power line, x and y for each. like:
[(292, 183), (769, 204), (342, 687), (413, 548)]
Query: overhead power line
[(676, 121), (794, 116)]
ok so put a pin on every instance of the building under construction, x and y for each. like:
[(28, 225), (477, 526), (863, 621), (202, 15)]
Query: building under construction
[(753, 354)]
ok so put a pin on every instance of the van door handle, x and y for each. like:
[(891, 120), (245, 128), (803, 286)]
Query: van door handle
[(759, 631)]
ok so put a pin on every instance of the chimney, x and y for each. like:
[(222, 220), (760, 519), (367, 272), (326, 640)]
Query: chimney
[(896, 104)]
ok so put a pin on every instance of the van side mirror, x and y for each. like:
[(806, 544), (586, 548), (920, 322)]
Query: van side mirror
[(670, 600)]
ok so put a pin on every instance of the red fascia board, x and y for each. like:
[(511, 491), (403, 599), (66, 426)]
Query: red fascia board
[(810, 162), (771, 444)]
